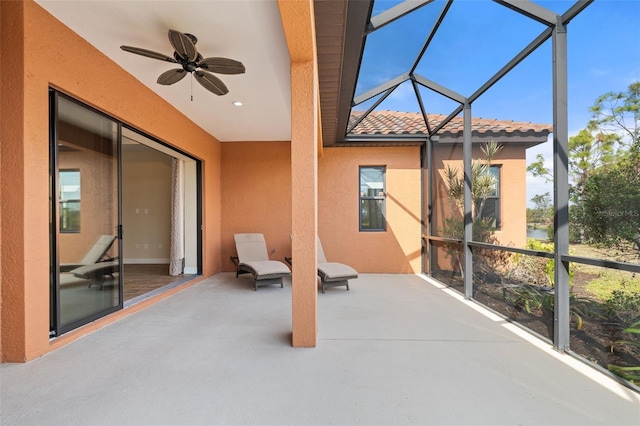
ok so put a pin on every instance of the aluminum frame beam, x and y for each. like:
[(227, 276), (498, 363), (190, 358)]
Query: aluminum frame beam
[(561, 335), (530, 10), (394, 13), (524, 53), (391, 84), (371, 108), (439, 88), (431, 34), (468, 202)]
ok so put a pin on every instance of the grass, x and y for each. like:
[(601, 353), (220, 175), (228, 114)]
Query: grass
[(604, 280)]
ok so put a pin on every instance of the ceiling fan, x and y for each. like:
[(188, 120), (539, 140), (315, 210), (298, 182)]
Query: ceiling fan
[(192, 62)]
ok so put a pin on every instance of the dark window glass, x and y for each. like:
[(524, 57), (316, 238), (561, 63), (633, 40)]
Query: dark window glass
[(372, 198), (491, 204)]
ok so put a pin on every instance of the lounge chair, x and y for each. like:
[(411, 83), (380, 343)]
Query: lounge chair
[(95, 255), (253, 259), (90, 274), (333, 274)]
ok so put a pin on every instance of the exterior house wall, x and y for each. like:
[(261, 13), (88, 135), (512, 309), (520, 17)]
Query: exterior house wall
[(396, 250), (256, 196), (512, 162), (39, 52)]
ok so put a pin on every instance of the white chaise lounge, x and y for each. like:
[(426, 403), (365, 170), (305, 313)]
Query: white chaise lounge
[(254, 259), (333, 274)]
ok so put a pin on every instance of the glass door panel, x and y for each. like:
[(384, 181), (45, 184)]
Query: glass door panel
[(86, 215)]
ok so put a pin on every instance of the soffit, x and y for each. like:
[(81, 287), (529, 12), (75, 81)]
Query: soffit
[(340, 31)]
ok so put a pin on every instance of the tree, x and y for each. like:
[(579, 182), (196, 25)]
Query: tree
[(611, 205), (543, 210), (616, 117), (610, 198), (604, 161), (482, 185)]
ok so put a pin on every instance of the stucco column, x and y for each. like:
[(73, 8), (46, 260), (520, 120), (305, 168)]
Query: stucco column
[(12, 174), (299, 29), (304, 201)]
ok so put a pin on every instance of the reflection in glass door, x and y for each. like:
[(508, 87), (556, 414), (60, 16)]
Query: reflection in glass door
[(85, 222)]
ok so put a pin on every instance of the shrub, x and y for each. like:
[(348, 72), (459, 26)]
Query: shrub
[(630, 345), (623, 306)]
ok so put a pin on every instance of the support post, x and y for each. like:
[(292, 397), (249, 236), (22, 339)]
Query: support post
[(561, 335), (299, 27), (467, 154)]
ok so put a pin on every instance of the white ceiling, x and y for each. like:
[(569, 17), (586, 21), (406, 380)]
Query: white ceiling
[(249, 31)]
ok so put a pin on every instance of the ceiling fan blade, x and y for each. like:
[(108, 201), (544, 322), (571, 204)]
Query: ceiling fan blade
[(211, 82), (172, 76), (222, 65), (148, 53), (183, 45)]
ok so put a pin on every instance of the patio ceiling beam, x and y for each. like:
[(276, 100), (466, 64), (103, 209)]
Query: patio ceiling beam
[(394, 13), (439, 88), (537, 42), (531, 10), (391, 84), (432, 34)]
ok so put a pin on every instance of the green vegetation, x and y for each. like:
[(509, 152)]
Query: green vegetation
[(631, 344), (482, 185), (604, 171)]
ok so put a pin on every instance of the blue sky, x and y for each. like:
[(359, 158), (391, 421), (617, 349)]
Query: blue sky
[(479, 36)]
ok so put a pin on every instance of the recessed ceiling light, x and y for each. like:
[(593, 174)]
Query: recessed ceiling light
[(237, 103)]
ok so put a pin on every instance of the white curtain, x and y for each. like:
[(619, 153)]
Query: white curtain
[(176, 253)]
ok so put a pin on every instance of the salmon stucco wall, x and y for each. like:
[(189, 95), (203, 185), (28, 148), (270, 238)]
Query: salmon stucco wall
[(30, 38), (512, 162), (396, 250), (256, 196)]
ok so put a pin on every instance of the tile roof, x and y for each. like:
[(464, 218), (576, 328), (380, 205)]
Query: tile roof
[(411, 123)]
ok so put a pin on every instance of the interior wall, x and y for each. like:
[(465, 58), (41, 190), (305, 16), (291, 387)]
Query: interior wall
[(30, 38), (146, 205), (256, 194), (396, 250)]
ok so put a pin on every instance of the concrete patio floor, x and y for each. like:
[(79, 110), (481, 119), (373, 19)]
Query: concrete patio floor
[(395, 349)]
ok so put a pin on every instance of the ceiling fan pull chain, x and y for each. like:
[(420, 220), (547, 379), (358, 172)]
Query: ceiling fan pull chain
[(191, 87)]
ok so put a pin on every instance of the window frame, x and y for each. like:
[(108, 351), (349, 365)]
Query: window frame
[(76, 201), (497, 197), (361, 198)]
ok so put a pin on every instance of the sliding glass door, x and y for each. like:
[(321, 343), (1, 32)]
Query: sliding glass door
[(85, 221), (125, 215)]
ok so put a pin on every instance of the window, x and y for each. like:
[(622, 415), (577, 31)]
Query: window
[(491, 208), (372, 198), (69, 201)]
